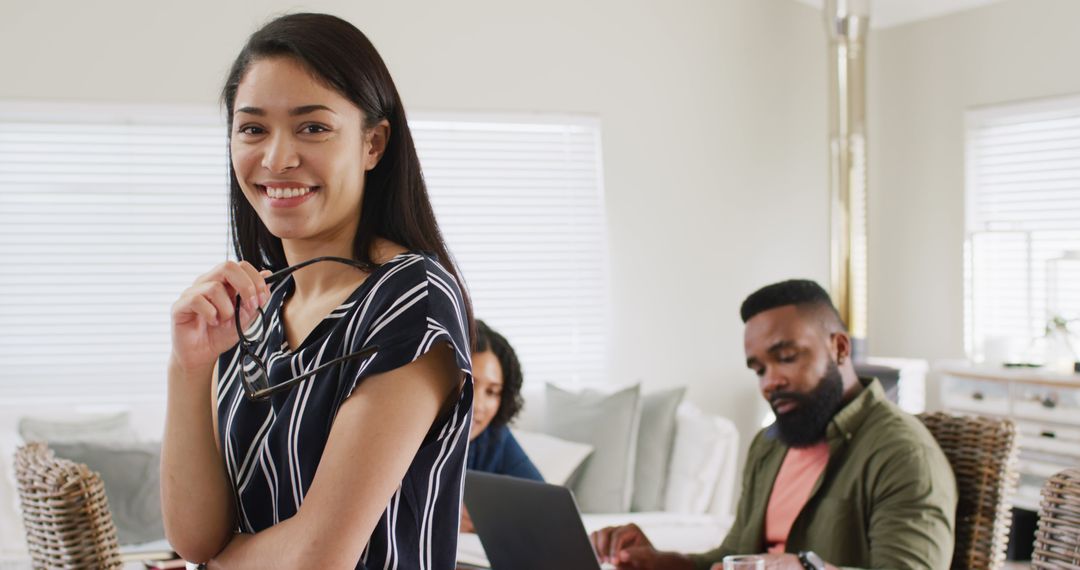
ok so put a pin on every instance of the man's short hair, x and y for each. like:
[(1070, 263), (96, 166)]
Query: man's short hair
[(803, 293)]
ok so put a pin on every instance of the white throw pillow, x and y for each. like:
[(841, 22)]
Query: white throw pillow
[(51, 424), (609, 423), (532, 414), (97, 428), (556, 459), (656, 438), (701, 477)]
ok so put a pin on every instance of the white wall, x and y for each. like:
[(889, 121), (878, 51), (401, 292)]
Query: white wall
[(713, 117), (923, 77)]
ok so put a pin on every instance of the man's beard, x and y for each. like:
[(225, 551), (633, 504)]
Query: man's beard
[(805, 425)]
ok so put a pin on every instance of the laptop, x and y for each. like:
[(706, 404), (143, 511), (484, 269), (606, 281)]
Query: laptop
[(527, 525)]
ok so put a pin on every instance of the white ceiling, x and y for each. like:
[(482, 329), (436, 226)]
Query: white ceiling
[(888, 13)]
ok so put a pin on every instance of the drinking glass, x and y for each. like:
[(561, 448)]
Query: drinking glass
[(744, 562)]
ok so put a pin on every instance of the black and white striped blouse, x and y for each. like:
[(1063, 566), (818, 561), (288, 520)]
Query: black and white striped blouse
[(272, 448)]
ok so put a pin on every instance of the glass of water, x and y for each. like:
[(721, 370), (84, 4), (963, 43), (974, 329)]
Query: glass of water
[(744, 562)]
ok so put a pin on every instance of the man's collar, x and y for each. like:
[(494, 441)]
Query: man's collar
[(851, 416)]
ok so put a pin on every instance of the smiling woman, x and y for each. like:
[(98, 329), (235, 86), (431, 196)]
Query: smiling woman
[(334, 434), (270, 139)]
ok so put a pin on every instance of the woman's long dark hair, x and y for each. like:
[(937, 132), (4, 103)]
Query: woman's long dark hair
[(395, 204)]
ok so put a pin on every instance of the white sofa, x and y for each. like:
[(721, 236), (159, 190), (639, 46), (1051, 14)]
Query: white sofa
[(697, 499)]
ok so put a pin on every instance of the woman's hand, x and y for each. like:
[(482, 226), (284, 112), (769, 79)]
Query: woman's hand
[(202, 318)]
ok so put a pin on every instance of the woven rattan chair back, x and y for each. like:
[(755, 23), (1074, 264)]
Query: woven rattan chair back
[(1057, 540), (65, 512), (982, 452)]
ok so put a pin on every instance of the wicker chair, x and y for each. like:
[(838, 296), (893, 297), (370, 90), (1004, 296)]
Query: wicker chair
[(1057, 540), (65, 512), (982, 452)]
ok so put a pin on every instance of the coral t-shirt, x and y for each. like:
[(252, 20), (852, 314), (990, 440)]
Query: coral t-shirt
[(800, 471)]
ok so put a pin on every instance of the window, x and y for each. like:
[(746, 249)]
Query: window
[(1023, 224), (520, 200), (107, 213)]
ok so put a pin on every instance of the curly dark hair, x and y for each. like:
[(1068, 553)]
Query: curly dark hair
[(510, 403)]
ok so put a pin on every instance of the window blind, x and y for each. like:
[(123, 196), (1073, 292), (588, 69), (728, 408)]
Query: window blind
[(107, 213), (520, 201), (1023, 221)]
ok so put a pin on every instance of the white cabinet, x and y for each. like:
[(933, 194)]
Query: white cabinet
[(1044, 406)]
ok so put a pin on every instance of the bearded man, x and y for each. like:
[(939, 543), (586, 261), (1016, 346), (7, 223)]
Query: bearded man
[(843, 478)]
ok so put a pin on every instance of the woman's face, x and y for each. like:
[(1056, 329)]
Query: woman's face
[(487, 390), (300, 152)]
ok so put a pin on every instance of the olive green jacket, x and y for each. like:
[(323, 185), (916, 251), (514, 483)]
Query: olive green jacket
[(887, 497)]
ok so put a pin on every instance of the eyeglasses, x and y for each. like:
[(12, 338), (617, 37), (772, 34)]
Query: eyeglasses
[(253, 371)]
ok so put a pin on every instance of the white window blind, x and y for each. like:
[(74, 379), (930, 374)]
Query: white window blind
[(107, 213), (1023, 221), (520, 201)]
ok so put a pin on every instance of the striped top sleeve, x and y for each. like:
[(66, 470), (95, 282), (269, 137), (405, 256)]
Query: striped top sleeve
[(424, 308), (272, 448)]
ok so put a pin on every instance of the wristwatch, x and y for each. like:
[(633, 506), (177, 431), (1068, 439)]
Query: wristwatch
[(811, 561)]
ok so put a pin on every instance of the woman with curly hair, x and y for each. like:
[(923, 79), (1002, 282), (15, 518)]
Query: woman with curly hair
[(497, 399)]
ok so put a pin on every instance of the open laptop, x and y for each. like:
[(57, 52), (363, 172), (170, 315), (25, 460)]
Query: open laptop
[(526, 525)]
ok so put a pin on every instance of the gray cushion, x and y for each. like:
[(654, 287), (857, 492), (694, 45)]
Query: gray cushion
[(656, 437), (109, 428), (609, 423), (131, 473), (130, 470)]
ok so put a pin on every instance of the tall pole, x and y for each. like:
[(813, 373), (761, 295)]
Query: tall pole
[(847, 22)]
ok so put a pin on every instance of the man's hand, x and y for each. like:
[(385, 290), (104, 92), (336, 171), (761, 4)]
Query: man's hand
[(466, 521), (642, 558), (609, 541), (628, 548)]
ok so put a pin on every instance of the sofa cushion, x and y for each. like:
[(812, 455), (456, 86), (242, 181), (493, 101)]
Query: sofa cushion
[(656, 436), (131, 474), (533, 414), (108, 445), (609, 423), (109, 428), (701, 476), (556, 459)]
